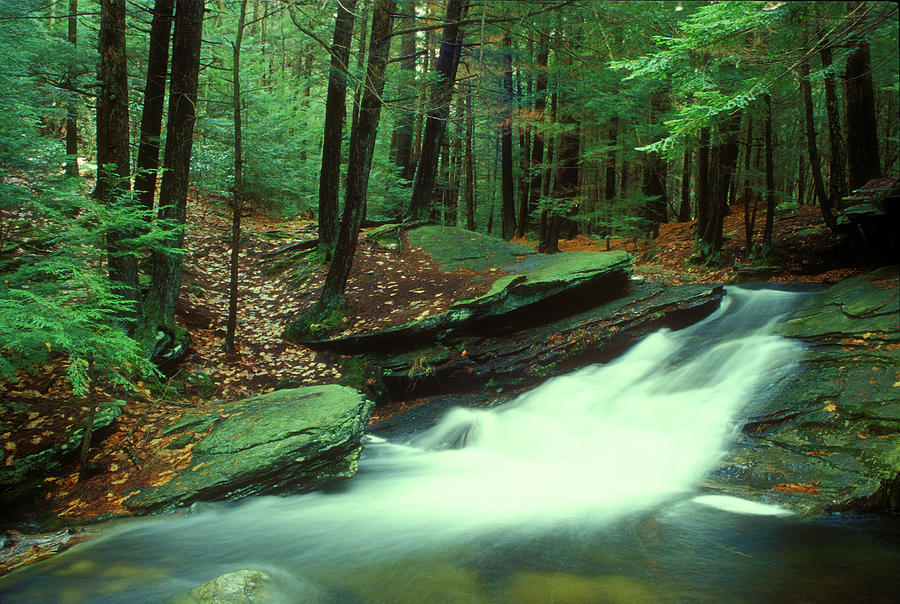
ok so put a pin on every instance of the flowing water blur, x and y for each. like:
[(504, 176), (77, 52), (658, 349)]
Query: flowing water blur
[(582, 490)]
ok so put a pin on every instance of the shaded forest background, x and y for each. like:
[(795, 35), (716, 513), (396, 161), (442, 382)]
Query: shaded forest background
[(541, 119)]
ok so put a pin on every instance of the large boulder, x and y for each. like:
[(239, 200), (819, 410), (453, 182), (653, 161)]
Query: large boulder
[(828, 439), (531, 289), (285, 441)]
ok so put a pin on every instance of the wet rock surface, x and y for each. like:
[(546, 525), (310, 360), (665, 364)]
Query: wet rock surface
[(286, 441), (828, 437)]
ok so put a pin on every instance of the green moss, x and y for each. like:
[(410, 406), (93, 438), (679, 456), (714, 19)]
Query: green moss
[(316, 325)]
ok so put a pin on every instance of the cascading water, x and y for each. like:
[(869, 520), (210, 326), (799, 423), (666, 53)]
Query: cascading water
[(552, 491)]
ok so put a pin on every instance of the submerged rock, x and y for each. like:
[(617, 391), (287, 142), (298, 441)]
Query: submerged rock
[(283, 442), (249, 585), (829, 438)]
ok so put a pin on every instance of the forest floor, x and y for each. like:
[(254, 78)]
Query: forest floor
[(387, 286)]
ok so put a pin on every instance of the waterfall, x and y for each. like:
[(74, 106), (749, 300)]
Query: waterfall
[(579, 452)]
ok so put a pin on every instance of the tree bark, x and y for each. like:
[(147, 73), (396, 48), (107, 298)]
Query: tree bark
[(335, 113), (71, 106), (703, 202), (748, 192), (167, 265), (725, 152), (360, 62), (508, 214), (470, 164), (684, 211), (406, 122), (838, 163), (437, 115), (609, 192), (812, 149), (237, 201), (113, 157), (362, 141), (770, 177), (154, 100), (540, 104), (862, 134)]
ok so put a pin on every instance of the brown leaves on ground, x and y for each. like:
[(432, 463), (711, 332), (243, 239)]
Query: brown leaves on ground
[(798, 487)]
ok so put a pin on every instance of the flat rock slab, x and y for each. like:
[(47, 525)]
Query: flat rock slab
[(453, 248), (829, 438), (531, 287), (285, 441)]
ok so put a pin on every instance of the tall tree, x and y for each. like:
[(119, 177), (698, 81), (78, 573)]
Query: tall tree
[(812, 147), (684, 210), (335, 114), (154, 101), (540, 104), (406, 121), (71, 106), (508, 214), (470, 163), (113, 157), (862, 137), (238, 196), (439, 111), (167, 265), (362, 141), (838, 160), (770, 176)]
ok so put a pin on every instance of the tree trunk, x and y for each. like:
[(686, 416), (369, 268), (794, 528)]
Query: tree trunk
[(167, 265), (154, 100), (725, 152), (362, 141), (470, 163), (437, 115), (703, 202), (508, 214), (537, 137), (360, 63), (770, 177), (406, 121), (684, 211), (862, 134), (748, 191), (814, 164), (838, 162), (71, 106), (237, 201), (113, 159), (609, 192), (335, 113)]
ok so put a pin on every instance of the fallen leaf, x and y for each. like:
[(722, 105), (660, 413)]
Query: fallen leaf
[(831, 407), (797, 487)]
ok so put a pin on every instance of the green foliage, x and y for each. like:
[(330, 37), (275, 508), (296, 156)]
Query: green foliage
[(55, 296)]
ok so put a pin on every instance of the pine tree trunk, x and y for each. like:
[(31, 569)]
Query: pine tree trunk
[(160, 302), (814, 164), (361, 145), (89, 422), (335, 114), (113, 157), (838, 163), (509, 204), (748, 221), (71, 105), (684, 211), (609, 192), (770, 177), (703, 200), (154, 101), (862, 137), (538, 174), (360, 62), (406, 121), (437, 115), (470, 164), (237, 201)]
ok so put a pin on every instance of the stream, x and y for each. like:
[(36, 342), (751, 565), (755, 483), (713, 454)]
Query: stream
[(585, 489)]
